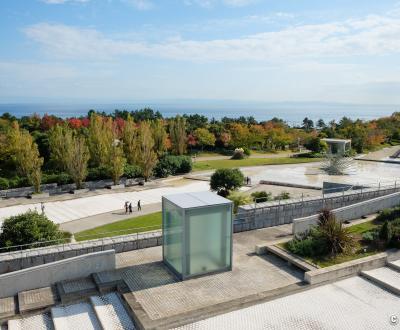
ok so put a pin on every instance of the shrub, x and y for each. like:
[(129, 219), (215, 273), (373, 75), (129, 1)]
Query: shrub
[(238, 154), (282, 195), (132, 171), (261, 196), (385, 232), (17, 182), (59, 178), (238, 199), (316, 145), (369, 236), (224, 180), (388, 214), (4, 184), (98, 173), (27, 228), (246, 151), (172, 165), (310, 246)]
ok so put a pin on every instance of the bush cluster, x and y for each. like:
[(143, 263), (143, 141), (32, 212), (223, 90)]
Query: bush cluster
[(261, 196), (172, 165)]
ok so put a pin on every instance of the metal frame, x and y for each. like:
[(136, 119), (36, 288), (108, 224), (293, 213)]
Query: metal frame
[(185, 244)]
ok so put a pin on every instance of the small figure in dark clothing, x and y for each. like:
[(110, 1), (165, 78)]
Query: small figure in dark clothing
[(139, 207), (42, 207), (126, 207), (130, 208), (247, 180)]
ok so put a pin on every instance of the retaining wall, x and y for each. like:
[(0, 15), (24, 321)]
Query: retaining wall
[(48, 274), (278, 213), (15, 261), (354, 211)]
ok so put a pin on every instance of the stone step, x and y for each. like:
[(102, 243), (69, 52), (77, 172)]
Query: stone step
[(35, 322), (36, 299), (75, 290), (76, 316), (394, 265), (8, 307), (111, 312), (386, 277)]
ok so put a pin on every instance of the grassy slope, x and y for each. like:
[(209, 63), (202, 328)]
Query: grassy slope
[(128, 226), (230, 163)]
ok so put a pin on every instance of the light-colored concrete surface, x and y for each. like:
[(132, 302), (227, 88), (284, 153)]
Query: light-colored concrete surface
[(382, 154), (386, 277), (69, 210), (161, 295), (353, 303), (106, 218), (48, 274)]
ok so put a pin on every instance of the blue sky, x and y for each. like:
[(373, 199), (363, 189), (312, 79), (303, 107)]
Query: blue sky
[(258, 50)]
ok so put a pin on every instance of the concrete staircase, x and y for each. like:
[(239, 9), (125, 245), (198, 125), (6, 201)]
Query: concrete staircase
[(387, 277), (105, 312)]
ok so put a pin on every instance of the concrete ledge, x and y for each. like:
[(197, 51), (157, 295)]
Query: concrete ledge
[(290, 258), (345, 269), (48, 274), (39, 196), (384, 284)]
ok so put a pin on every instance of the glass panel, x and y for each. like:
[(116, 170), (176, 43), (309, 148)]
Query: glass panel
[(172, 240), (209, 239)]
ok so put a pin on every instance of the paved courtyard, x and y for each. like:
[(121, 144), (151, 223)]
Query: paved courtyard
[(162, 296)]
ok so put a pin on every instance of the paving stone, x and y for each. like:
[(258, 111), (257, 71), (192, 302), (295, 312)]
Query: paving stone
[(36, 299)]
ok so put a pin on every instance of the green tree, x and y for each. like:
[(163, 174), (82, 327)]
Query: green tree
[(116, 161), (177, 132), (315, 144), (129, 137), (225, 180), (101, 137), (60, 139), (386, 232), (159, 136), (145, 154), (28, 228), (78, 157), (26, 156), (204, 137)]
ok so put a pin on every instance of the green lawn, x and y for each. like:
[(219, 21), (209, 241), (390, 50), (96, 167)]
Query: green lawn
[(361, 228), (230, 163), (139, 224)]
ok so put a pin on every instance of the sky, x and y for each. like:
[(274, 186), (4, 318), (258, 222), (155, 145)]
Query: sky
[(248, 50)]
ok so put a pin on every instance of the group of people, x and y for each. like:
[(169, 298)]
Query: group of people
[(129, 208)]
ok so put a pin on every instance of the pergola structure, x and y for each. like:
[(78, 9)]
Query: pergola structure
[(337, 146)]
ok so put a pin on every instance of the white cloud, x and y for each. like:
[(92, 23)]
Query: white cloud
[(371, 35)]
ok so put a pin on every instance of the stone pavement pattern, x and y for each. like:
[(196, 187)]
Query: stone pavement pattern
[(162, 296)]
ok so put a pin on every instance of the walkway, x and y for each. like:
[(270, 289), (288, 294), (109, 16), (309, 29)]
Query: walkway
[(380, 155), (69, 210), (253, 155)]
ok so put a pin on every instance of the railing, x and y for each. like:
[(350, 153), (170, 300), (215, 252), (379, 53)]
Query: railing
[(63, 243)]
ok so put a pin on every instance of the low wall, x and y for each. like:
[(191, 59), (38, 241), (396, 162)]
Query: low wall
[(351, 212), (277, 213), (350, 268), (14, 261), (48, 274)]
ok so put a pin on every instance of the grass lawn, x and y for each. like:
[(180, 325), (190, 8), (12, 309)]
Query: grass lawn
[(128, 226), (231, 163), (361, 228)]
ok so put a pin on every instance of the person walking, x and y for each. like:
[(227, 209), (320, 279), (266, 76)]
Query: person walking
[(130, 208), (42, 207), (139, 207), (126, 207)]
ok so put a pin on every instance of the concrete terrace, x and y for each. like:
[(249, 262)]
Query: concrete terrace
[(161, 297)]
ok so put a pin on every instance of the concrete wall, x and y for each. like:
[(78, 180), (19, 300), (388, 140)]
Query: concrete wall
[(48, 274), (278, 213), (14, 261), (350, 268), (350, 212)]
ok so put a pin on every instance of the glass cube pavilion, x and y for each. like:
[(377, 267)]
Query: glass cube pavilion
[(197, 233)]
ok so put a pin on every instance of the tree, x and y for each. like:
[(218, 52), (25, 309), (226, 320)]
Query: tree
[(129, 137), (204, 137), (145, 154), (239, 198), (315, 144), (78, 157), (177, 132), (321, 124), (60, 139), (28, 228), (225, 180), (101, 137), (159, 136), (26, 156), (116, 161), (308, 124)]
